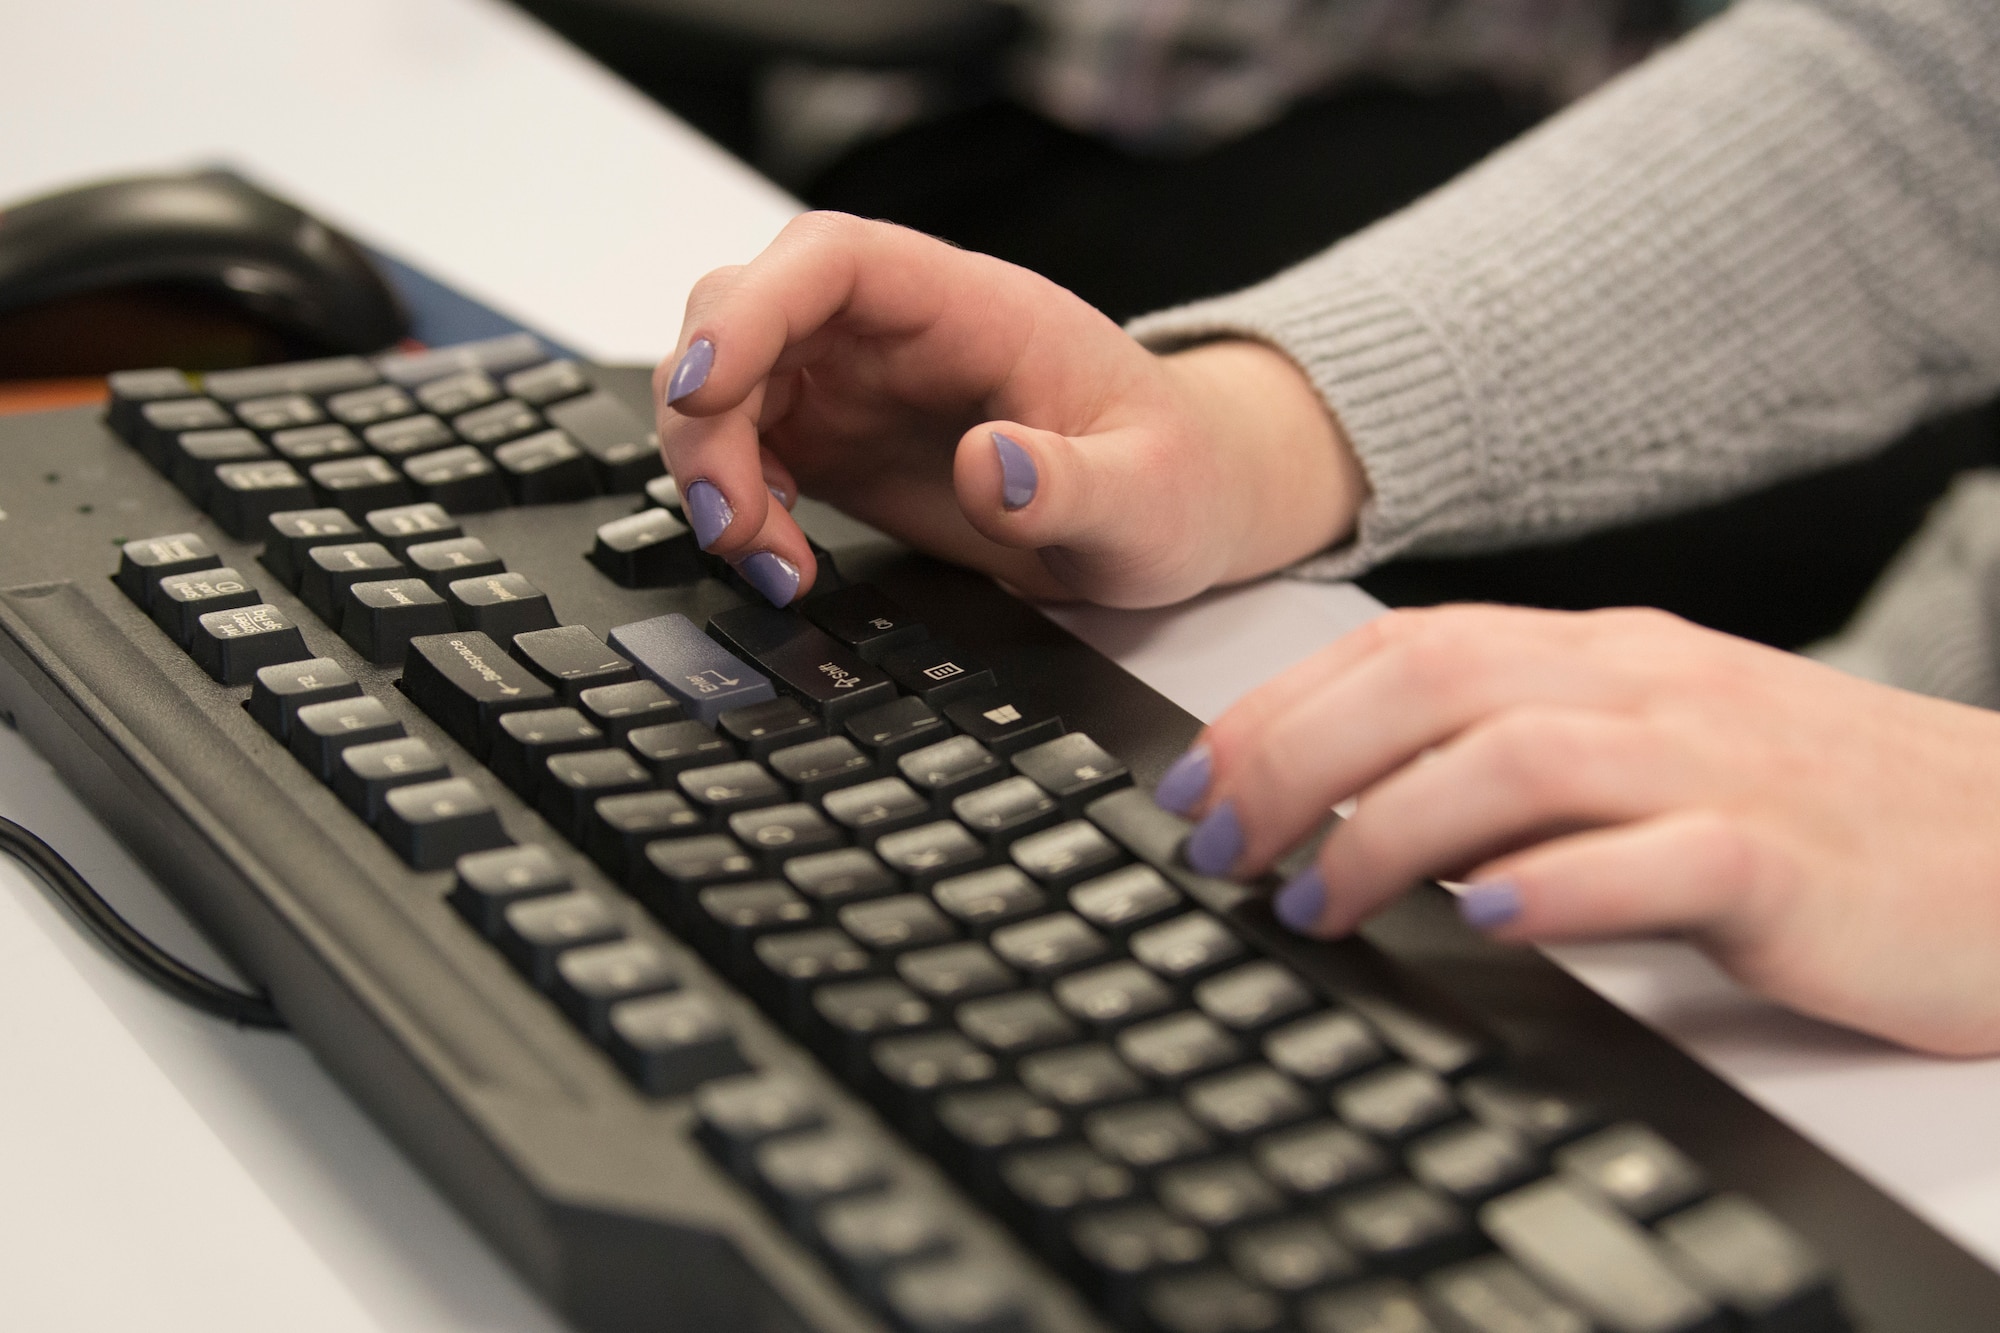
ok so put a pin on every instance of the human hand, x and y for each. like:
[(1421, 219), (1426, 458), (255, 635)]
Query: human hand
[(985, 415), (1831, 842)]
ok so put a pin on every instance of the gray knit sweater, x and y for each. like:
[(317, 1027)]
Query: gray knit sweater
[(1774, 246)]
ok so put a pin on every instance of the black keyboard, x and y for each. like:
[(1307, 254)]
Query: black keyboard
[(826, 968)]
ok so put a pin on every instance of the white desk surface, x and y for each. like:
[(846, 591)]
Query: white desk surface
[(165, 1172)]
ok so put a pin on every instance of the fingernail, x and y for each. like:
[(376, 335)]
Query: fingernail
[(1184, 781), (1298, 904), (708, 512), (771, 574), (1216, 841), (1018, 477), (779, 496), (1491, 905), (692, 371)]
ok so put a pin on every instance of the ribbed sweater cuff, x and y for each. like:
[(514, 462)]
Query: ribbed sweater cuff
[(1384, 372)]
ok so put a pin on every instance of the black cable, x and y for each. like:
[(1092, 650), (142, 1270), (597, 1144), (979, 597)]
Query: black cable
[(164, 970)]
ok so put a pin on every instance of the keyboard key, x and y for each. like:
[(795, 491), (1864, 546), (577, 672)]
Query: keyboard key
[(676, 869), (720, 790), (671, 748), (278, 411), (496, 423), (1324, 1047), (1246, 1101), (536, 931), (1471, 1162), (1004, 722), (1066, 854), (735, 1115), (759, 730), (950, 768), (847, 875), (871, 809), (1635, 1169), (704, 676), (232, 646), (403, 526), (1319, 1158), (1375, 1307), (442, 563), (619, 710), (872, 1235), (1048, 946), (1007, 810), (524, 741), (803, 660), (858, 1012), (360, 484), (464, 683), (1171, 1048), (777, 833), (649, 549), (326, 375), (365, 407), (1394, 1103), (988, 898), (461, 479), (456, 393), (618, 828), (195, 455), (1252, 997), (989, 1119), (363, 775), (1541, 1118), (895, 923), (1187, 946), (1144, 1135), (290, 534), (144, 561), (1491, 1295), (955, 1296), (131, 390), (1295, 1254), (545, 469), (791, 965), (1125, 899), (278, 692), (621, 448), (860, 617), (936, 672), (1012, 1024), (1080, 1076), (313, 444), (409, 437), (928, 1062), (382, 616), (1074, 769), (662, 491), (896, 728), (572, 783), (929, 852), (329, 571), (1056, 1180), (488, 883), (729, 919), (673, 1043), (432, 824), (1113, 995), (818, 767), (589, 980), (499, 605), (1402, 1227), (1444, 1046), (181, 600), (321, 731), (1133, 1241), (161, 423), (1747, 1260), (545, 384), (1212, 1301), (951, 973), (243, 495), (1592, 1255), (496, 356)]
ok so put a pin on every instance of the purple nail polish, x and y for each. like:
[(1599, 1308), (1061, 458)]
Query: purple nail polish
[(1216, 842), (771, 574), (1299, 902), (779, 496), (1491, 905), (708, 511), (692, 371), (1018, 477), (1184, 781)]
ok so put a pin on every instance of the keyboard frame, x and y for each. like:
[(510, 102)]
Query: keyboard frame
[(594, 1192)]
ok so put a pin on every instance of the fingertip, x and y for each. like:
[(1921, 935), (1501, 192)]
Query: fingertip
[(1490, 905), (1301, 902), (772, 575)]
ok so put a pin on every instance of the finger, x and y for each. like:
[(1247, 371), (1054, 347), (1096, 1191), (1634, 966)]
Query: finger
[(1528, 775), (778, 479), (719, 470)]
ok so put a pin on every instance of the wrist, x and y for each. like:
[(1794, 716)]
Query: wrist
[(1294, 484)]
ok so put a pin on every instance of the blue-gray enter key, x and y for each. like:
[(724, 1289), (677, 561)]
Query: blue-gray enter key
[(692, 667)]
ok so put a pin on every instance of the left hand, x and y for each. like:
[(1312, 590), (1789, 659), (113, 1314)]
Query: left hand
[(1833, 843)]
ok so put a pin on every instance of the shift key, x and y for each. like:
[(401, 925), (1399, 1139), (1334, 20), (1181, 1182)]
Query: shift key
[(692, 667), (832, 680)]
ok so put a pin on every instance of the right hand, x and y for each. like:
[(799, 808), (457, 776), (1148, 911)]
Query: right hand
[(873, 367)]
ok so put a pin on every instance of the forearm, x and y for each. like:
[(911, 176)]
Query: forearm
[(1769, 249)]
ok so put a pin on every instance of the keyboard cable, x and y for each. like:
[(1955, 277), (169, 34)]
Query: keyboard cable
[(170, 974)]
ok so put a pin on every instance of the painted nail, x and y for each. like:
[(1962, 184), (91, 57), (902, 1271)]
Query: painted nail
[(779, 496), (771, 574), (708, 512), (1018, 477), (1216, 841), (1491, 905), (692, 371), (1298, 904), (1184, 781)]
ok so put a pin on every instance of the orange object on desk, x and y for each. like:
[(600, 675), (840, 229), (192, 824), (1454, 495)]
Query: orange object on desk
[(18, 396)]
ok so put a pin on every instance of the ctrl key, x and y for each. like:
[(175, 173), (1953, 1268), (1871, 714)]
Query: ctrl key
[(432, 824), (234, 645), (673, 1043)]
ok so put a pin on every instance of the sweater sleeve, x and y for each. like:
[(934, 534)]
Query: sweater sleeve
[(1772, 247)]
